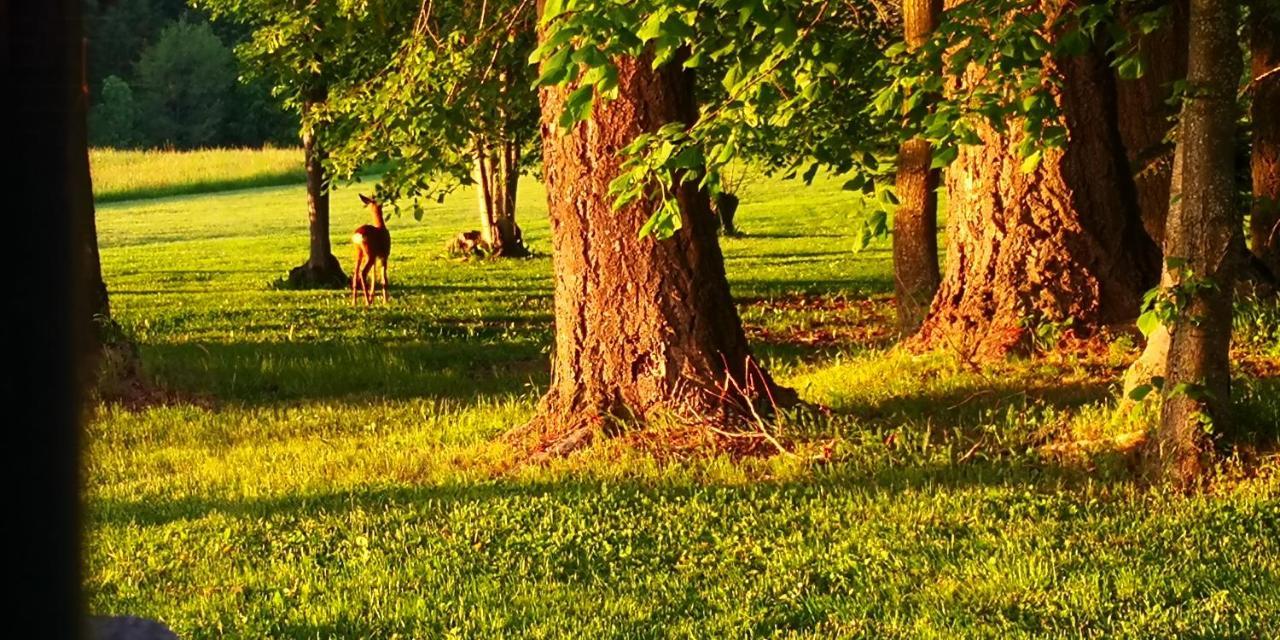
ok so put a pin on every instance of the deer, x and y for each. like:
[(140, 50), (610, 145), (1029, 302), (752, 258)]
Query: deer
[(373, 247)]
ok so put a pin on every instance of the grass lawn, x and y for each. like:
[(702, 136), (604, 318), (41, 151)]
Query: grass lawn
[(336, 472)]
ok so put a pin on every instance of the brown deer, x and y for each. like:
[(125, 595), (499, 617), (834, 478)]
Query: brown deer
[(373, 245)]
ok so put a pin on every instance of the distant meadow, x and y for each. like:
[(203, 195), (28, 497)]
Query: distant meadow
[(130, 175)]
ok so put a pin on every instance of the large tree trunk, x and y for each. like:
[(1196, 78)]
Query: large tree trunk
[(915, 222), (1264, 226), (497, 175), (47, 307), (1062, 244), (321, 270), (1200, 261), (643, 326)]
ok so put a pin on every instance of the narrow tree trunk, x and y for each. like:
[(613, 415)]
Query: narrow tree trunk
[(643, 325), (1199, 260), (1264, 226), (915, 222), (497, 176), (110, 365), (1062, 244), (915, 234), (726, 205), (321, 270)]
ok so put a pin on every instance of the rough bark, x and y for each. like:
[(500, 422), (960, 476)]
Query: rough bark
[(915, 234), (643, 326), (1264, 225), (1198, 248), (1062, 244), (322, 269), (915, 222), (1144, 116), (497, 175)]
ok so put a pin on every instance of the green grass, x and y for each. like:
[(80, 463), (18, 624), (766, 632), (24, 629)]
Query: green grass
[(336, 472), (125, 174)]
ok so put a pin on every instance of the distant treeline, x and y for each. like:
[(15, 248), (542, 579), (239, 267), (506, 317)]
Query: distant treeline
[(160, 75)]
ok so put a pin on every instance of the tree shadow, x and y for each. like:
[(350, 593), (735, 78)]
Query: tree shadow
[(746, 288), (959, 406), (834, 480), (461, 363)]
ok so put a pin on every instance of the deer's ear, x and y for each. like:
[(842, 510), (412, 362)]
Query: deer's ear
[(366, 199)]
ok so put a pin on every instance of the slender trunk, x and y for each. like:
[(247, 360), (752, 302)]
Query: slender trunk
[(1200, 263), (726, 205), (1062, 244), (321, 268), (915, 222), (643, 325), (317, 202), (915, 234), (1264, 226), (497, 176)]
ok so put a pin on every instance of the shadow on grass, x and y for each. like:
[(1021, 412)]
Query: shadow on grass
[(962, 405), (752, 288), (890, 479), (265, 373)]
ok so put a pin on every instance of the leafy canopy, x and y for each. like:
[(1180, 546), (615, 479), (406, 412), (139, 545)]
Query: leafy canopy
[(831, 83)]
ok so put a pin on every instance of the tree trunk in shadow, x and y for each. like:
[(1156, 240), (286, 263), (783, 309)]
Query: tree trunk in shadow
[(1145, 115), (1264, 225)]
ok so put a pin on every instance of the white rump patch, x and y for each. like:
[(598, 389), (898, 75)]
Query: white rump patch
[(357, 238)]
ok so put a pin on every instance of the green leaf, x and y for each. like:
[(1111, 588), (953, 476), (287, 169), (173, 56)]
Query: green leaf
[(1141, 391), (944, 156), (1131, 68), (663, 223), (577, 106), (552, 42), (1073, 43), (1147, 323), (1031, 162), (554, 69)]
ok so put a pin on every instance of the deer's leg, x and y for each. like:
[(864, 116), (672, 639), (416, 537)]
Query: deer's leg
[(364, 278), (355, 275), (384, 279)]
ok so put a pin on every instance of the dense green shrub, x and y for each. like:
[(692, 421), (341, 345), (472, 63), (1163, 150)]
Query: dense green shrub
[(113, 122), (183, 83)]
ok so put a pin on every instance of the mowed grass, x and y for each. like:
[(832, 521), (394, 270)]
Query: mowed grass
[(130, 174), (338, 472)]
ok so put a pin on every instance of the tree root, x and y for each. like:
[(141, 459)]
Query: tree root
[(308, 276)]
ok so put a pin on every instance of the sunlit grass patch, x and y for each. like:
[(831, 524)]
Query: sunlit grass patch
[(330, 471)]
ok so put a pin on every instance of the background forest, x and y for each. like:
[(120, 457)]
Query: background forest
[(162, 76)]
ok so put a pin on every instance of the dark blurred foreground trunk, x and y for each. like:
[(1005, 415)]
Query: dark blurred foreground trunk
[(49, 308)]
